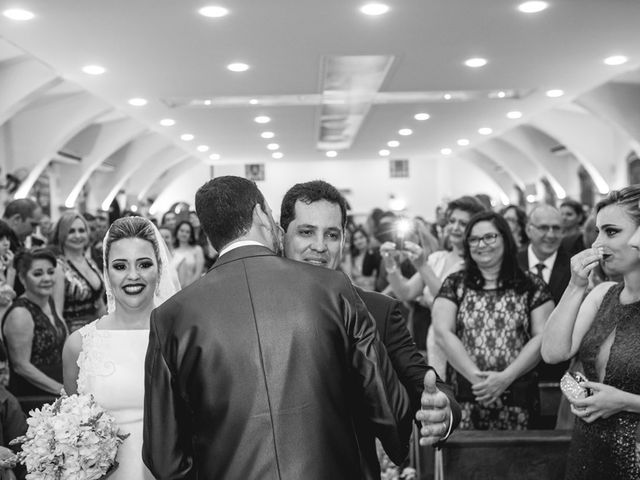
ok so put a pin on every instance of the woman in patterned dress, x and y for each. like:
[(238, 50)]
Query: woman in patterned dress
[(603, 330), (79, 285), (489, 318)]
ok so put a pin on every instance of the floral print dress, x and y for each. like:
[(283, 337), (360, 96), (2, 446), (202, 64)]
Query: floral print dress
[(494, 325)]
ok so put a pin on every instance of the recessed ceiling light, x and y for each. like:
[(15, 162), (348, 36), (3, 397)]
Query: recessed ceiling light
[(138, 102), (447, 96), (262, 119), (514, 115), (167, 122), (616, 60), (277, 155), (446, 151), (238, 67), (475, 62), (187, 137), (405, 131), (253, 101), (18, 14), (93, 69), (533, 6), (214, 156), (331, 153), (273, 146), (267, 134), (374, 9), (393, 143), (208, 102), (213, 11), (384, 152), (502, 94), (422, 116), (485, 131), (463, 142), (555, 93), (202, 148)]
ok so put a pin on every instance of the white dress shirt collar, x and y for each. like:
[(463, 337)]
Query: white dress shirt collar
[(548, 263), (238, 244)]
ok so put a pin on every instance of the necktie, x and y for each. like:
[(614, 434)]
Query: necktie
[(540, 268)]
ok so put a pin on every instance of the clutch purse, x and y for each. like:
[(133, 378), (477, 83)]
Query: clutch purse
[(571, 385)]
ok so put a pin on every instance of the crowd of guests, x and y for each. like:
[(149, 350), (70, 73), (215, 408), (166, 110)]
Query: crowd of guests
[(488, 296)]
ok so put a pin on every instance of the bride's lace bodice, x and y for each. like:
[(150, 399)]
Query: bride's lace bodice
[(111, 366)]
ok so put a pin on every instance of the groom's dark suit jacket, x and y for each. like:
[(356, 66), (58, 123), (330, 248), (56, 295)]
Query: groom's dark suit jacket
[(257, 370), (409, 364)]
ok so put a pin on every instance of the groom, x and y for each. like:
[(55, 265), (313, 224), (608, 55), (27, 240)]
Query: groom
[(257, 369)]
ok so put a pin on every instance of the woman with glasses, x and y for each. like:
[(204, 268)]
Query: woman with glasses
[(602, 329), (489, 318)]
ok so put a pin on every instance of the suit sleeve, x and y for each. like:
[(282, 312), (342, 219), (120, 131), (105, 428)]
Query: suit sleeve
[(166, 448), (409, 364), (386, 402)]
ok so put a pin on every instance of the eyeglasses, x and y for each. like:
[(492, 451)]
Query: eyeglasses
[(488, 239), (547, 228)]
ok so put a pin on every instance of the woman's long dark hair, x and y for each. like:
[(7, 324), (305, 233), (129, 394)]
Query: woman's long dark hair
[(511, 275), (352, 247)]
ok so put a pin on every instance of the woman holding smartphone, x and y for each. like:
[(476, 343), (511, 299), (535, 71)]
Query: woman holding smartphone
[(603, 330)]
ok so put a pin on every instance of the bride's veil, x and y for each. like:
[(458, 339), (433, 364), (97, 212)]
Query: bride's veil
[(168, 283)]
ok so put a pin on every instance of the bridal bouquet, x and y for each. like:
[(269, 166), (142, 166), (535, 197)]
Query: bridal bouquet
[(389, 471), (71, 439)]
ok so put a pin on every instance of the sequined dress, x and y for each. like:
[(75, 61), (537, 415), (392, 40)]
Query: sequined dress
[(607, 447), (112, 369)]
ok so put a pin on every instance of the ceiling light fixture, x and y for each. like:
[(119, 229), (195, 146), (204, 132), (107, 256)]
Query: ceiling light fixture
[(186, 137), (213, 11), (214, 156), (202, 148), (238, 67), (615, 60), (555, 93), (533, 6), (277, 155), (253, 101), (93, 69), (446, 151), (475, 62), (393, 143), (447, 96), (514, 115), (384, 152), (262, 119), (208, 102), (138, 102), (267, 134), (463, 142), (422, 116), (273, 146), (405, 132), (374, 9), (485, 131), (167, 122), (18, 14), (331, 153)]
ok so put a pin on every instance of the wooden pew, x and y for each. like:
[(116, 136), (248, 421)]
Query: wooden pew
[(497, 455)]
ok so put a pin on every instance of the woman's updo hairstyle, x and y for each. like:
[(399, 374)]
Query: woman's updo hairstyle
[(131, 227)]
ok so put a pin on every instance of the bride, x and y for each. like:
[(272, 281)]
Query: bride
[(106, 357)]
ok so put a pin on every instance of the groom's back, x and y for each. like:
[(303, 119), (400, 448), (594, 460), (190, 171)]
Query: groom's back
[(262, 366)]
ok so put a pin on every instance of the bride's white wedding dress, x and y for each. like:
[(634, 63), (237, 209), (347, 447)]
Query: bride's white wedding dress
[(112, 370)]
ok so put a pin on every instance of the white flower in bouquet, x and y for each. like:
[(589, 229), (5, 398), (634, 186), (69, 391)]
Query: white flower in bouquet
[(71, 439)]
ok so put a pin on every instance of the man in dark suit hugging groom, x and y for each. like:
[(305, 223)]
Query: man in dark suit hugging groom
[(314, 216)]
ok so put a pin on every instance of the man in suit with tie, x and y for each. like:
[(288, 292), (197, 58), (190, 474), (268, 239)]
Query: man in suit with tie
[(314, 216), (257, 369), (544, 257)]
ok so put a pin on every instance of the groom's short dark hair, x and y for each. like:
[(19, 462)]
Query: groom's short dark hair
[(310, 192), (225, 206)]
